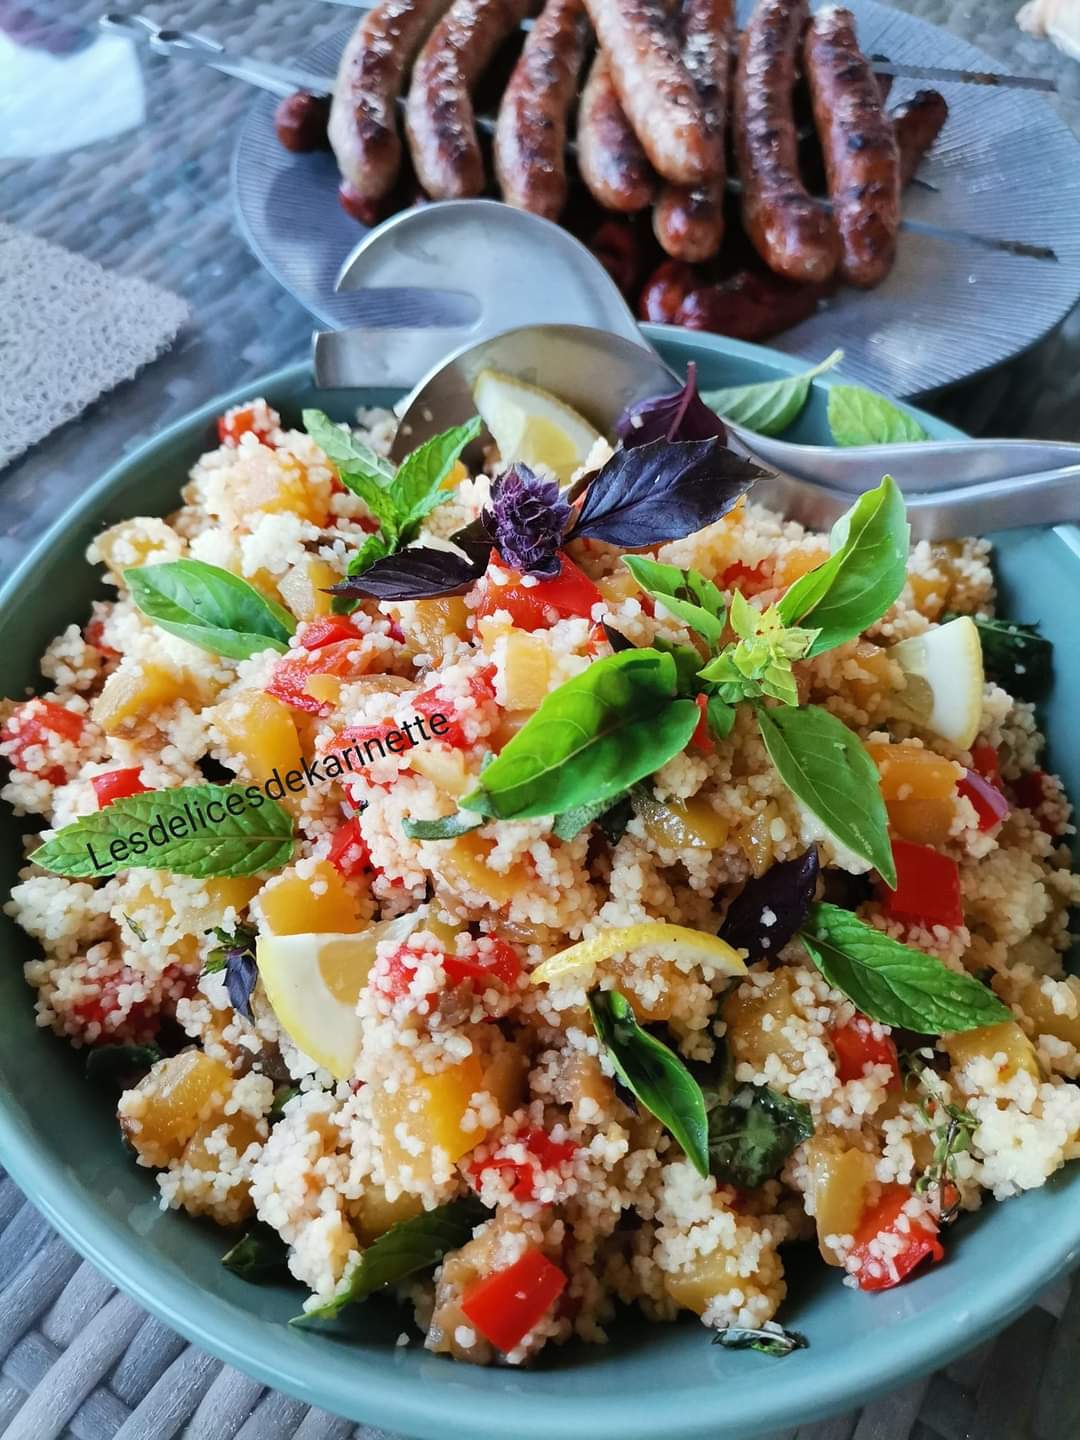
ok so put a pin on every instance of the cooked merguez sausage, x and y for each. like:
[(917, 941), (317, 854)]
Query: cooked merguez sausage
[(660, 99), (862, 162), (439, 115), (794, 236), (917, 123), (609, 155), (689, 220), (530, 137), (363, 126)]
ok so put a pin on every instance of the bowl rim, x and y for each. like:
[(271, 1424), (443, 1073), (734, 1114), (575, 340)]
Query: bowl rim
[(368, 1389)]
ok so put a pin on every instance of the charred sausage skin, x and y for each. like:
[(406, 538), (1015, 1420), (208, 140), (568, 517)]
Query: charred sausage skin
[(862, 161), (610, 156), (917, 123), (530, 137), (794, 236)]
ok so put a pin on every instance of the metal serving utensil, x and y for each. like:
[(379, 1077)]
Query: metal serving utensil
[(498, 255)]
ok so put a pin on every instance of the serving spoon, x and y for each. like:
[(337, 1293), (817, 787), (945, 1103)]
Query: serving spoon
[(497, 255)]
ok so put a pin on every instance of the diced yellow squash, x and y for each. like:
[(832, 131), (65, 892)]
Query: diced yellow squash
[(262, 733), (839, 1181), (878, 676), (373, 1213), (755, 839), (445, 768), (919, 790), (428, 624), (465, 867), (744, 1011), (303, 587), (527, 670), (504, 1078), (286, 487), (1006, 1039), (797, 563), (1039, 1006), (618, 586), (134, 693), (237, 891), (509, 723), (317, 904), (242, 1132), (425, 1114), (681, 824), (132, 543), (706, 1277), (177, 1095)]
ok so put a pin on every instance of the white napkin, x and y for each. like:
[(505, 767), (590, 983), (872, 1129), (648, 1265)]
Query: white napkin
[(69, 331)]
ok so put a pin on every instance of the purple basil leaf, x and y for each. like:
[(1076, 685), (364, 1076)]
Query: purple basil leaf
[(526, 521), (617, 640), (659, 492), (419, 573), (784, 895), (682, 415), (240, 977)]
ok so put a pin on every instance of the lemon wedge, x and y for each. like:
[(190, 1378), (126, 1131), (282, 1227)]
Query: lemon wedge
[(313, 983), (944, 673), (693, 945), (531, 425)]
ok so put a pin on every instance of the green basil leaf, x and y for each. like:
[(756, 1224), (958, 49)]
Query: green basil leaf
[(572, 822), (687, 664), (653, 1073), (859, 417), (210, 607), (117, 1064), (140, 832), (683, 593), (282, 1095), (406, 1248), (774, 1341), (752, 1133), (346, 451), (591, 739), (827, 767), (719, 717), (770, 406), (449, 827), (1016, 656), (861, 578), (417, 487), (260, 1257), (892, 982)]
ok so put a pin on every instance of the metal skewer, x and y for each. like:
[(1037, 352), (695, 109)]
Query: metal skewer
[(283, 80)]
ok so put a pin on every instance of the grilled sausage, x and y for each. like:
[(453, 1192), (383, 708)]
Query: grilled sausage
[(530, 137), (659, 98), (439, 115), (665, 290), (609, 155), (794, 236), (689, 220), (749, 306), (363, 126), (300, 122), (862, 162), (917, 123)]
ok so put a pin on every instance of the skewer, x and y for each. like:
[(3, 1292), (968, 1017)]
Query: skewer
[(283, 80)]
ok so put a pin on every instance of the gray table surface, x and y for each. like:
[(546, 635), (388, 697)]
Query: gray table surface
[(77, 1358)]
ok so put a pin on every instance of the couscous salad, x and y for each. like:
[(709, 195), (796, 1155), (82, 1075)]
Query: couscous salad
[(553, 888)]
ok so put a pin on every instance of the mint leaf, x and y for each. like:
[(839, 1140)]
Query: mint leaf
[(591, 739), (407, 1247), (827, 767), (210, 607), (346, 451), (260, 1257), (653, 1073), (572, 822), (417, 486), (752, 1132), (446, 828), (770, 406), (210, 831), (683, 593), (893, 983), (861, 578), (859, 417)]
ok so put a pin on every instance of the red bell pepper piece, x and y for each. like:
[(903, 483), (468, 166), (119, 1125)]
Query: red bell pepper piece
[(989, 803), (429, 703), (889, 1244), (326, 629), (245, 420), (542, 1153), (701, 739), (32, 724), (118, 785), (497, 961), (349, 853), (927, 887), (747, 578), (537, 607), (94, 635), (984, 760), (856, 1046), (505, 1306), (289, 677)]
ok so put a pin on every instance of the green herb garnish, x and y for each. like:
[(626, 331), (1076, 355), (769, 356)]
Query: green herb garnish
[(861, 417), (260, 1257), (894, 983), (1015, 656), (759, 663), (686, 594), (448, 827), (406, 1248), (752, 1130), (653, 1073), (775, 1341), (770, 406), (210, 607), (116, 1064)]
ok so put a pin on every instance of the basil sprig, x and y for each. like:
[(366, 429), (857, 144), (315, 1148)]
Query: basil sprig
[(861, 578), (686, 594), (590, 740), (210, 607), (827, 767), (174, 830), (406, 1248), (770, 406), (653, 1073), (893, 983), (861, 417)]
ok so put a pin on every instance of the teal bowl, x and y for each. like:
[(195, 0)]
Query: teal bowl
[(59, 1139)]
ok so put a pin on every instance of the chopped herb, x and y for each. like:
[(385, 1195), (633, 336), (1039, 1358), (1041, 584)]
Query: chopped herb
[(572, 822), (448, 827), (282, 1095), (772, 1340), (135, 928), (1015, 656), (752, 1129), (260, 1258)]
